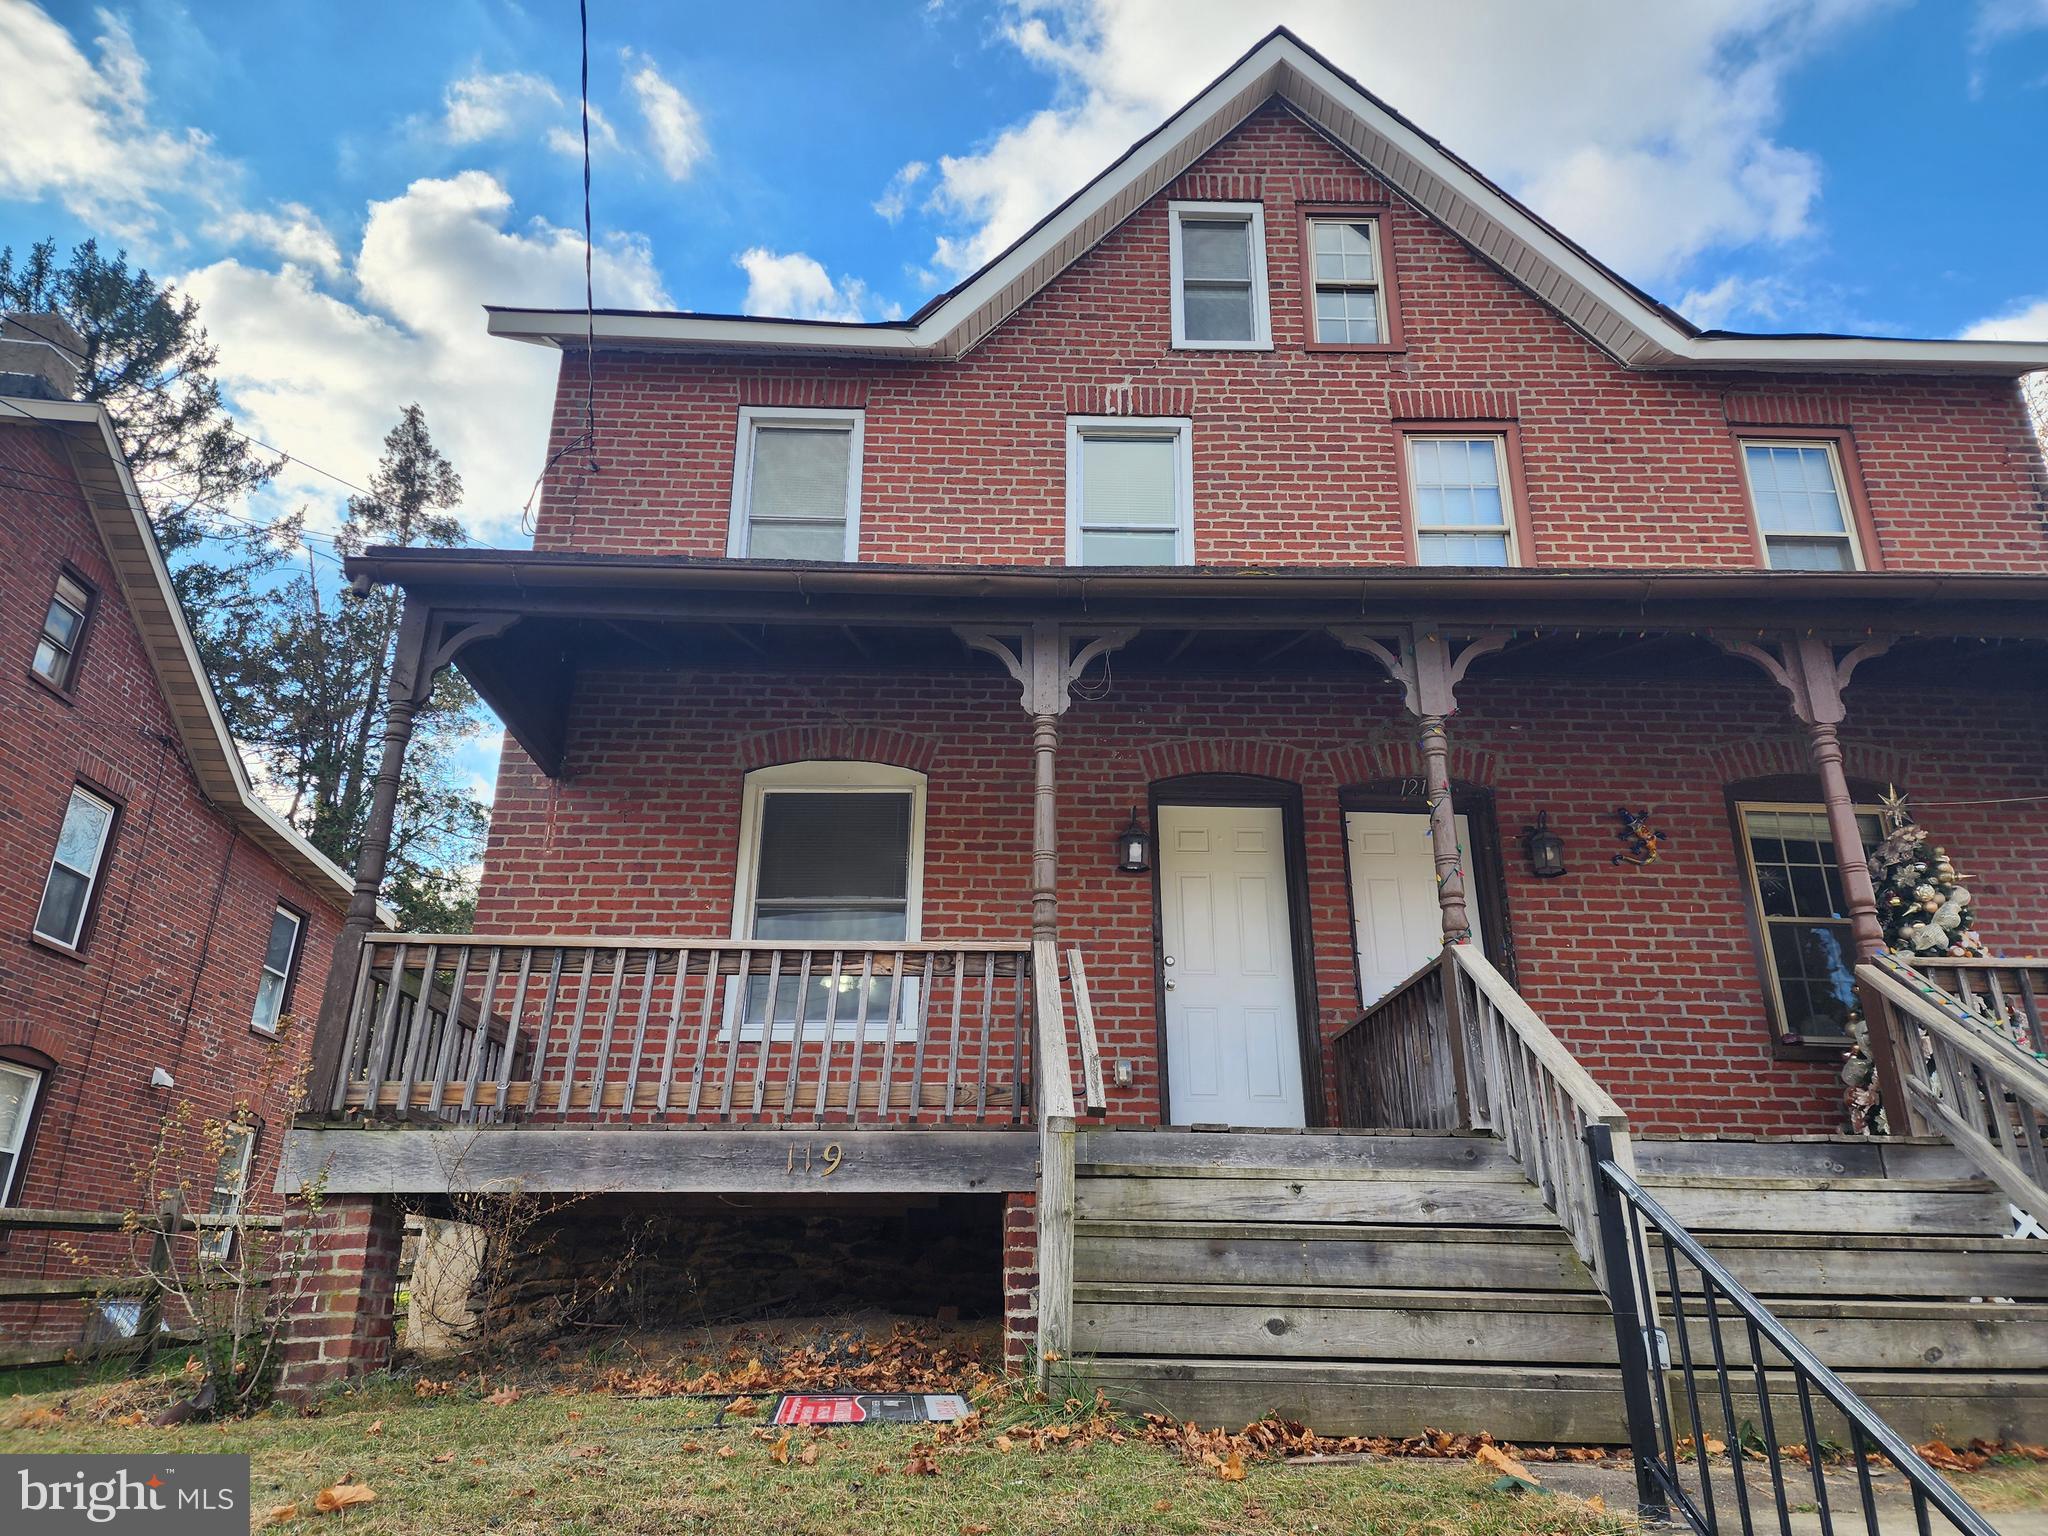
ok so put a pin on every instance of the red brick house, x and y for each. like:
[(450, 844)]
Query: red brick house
[(163, 927), (1335, 522)]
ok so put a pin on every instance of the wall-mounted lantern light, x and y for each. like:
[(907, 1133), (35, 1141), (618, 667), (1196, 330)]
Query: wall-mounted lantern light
[(1134, 847), (1545, 849)]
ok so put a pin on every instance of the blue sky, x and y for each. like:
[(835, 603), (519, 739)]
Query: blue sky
[(342, 185)]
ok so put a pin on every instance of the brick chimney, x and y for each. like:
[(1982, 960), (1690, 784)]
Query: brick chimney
[(39, 356)]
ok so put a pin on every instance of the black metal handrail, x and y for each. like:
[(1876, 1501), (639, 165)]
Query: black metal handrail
[(1625, 1210)]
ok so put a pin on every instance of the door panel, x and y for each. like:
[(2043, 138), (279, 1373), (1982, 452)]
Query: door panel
[(1233, 1045), (1398, 924)]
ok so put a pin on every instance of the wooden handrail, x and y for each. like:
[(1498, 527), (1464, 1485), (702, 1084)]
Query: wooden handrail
[(1525, 1086), (1092, 1093), (1980, 1090)]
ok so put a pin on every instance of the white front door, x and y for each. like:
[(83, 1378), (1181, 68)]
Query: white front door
[(1233, 1048), (1398, 924)]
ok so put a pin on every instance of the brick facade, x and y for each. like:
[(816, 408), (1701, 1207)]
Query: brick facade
[(168, 972), (1648, 974), (1295, 451)]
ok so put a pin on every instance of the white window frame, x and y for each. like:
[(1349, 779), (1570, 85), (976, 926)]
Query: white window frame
[(284, 981), (77, 597), (1378, 285), (1262, 308), (1780, 1015), (826, 777), (218, 1242), (1182, 430), (92, 876), (1848, 534), (35, 1077), (851, 420), (1508, 508)]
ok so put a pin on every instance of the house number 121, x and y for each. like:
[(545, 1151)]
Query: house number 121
[(827, 1162)]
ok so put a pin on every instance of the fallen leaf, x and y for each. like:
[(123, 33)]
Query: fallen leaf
[(444, 1458), (1597, 1504), (282, 1512), (779, 1451), (504, 1397), (525, 1493), (727, 1452), (1002, 1443), (922, 1465), (809, 1455), (1162, 1505), (339, 1496), (575, 1413), (376, 1428), (1500, 1461), (975, 1530), (741, 1407), (1232, 1469)]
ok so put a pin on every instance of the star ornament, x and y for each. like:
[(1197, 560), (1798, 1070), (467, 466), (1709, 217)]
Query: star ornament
[(1896, 812)]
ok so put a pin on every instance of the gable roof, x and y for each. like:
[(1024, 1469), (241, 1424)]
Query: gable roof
[(1610, 311), (122, 522)]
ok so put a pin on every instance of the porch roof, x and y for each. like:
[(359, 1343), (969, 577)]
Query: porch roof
[(576, 610)]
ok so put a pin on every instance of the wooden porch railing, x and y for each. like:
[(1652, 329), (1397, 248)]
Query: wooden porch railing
[(1456, 1047), (1395, 1066), (1984, 1085), (486, 1028)]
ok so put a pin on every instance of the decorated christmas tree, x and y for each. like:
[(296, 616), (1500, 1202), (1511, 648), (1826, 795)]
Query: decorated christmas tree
[(1921, 900)]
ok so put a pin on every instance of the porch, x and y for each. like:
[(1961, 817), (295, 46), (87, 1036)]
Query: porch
[(633, 1020)]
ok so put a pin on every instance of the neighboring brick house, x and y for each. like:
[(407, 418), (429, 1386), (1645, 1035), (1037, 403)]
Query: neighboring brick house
[(162, 931), (1336, 523)]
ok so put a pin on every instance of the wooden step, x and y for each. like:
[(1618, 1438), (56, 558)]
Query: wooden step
[(1709, 1204), (1775, 1265), (1337, 1323), (1802, 1157), (1540, 1405), (1308, 1254), (1461, 1197), (1285, 1151)]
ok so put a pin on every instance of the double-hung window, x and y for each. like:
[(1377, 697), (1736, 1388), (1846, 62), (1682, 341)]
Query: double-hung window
[(56, 658), (19, 1086), (279, 951), (1130, 491), (1349, 303), (1795, 886), (796, 484), (230, 1187), (831, 858), (75, 869), (1218, 265), (1463, 504), (1802, 505)]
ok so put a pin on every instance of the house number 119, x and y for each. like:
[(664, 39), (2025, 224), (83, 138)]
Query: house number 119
[(827, 1161)]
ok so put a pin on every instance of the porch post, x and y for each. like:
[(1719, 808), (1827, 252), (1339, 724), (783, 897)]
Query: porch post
[(1814, 674), (1422, 659), (402, 702), (1044, 661)]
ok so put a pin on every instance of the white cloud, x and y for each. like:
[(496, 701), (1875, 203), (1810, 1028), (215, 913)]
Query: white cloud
[(326, 377), (674, 128), (794, 286), (292, 230), (2025, 321), (78, 130), (482, 106), (896, 195), (1644, 132)]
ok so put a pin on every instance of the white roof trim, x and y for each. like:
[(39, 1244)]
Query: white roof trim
[(92, 432), (1616, 317)]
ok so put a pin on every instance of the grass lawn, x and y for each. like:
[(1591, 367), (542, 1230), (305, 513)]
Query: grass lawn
[(566, 1460)]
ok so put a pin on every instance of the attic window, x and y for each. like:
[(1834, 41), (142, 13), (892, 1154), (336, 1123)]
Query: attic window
[(1347, 283), (1218, 265)]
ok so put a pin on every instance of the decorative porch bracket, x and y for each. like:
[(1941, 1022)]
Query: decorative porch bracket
[(427, 644), (1046, 660), (1814, 671), (1429, 664)]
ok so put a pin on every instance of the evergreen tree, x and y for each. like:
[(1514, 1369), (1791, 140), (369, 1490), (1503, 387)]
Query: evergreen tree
[(1921, 900), (305, 677)]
